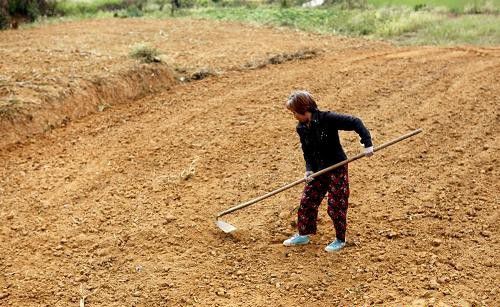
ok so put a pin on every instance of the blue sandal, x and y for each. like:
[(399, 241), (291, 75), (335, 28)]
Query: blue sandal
[(335, 246), (296, 239)]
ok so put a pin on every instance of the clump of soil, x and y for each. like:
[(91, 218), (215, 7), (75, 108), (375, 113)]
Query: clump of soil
[(282, 58)]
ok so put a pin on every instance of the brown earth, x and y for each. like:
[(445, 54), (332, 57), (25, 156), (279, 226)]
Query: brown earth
[(119, 207)]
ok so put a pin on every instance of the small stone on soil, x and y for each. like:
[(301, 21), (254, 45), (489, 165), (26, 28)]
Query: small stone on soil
[(433, 284), (436, 242)]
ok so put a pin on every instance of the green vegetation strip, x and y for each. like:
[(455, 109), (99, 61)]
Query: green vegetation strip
[(452, 6), (405, 22), (401, 25)]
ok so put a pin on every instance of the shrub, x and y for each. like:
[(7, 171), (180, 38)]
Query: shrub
[(4, 15), (4, 20), (134, 11), (24, 10), (419, 7)]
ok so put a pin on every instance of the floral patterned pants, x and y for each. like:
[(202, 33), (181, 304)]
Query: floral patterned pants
[(336, 183)]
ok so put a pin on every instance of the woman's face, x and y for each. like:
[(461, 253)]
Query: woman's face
[(303, 118)]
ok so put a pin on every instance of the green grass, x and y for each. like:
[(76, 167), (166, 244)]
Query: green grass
[(456, 6), (469, 29), (75, 8), (401, 25)]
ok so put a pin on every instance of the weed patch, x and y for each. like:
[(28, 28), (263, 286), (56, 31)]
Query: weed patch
[(145, 53), (10, 108)]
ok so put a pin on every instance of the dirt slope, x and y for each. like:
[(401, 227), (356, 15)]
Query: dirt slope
[(120, 206), (54, 74)]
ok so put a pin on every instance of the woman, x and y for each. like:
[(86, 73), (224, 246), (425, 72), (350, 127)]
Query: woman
[(319, 136)]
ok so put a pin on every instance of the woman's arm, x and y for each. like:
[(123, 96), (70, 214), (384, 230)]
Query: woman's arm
[(306, 150), (350, 123)]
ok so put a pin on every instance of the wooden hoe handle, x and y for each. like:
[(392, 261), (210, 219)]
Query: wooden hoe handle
[(286, 187)]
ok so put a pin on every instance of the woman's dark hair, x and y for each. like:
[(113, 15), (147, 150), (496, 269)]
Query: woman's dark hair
[(301, 102)]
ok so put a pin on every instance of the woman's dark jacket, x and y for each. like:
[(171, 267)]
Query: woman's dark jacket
[(320, 140)]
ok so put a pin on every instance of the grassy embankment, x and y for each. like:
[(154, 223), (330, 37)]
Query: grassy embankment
[(439, 22)]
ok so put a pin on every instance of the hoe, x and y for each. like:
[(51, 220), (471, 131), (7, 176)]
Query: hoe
[(228, 228)]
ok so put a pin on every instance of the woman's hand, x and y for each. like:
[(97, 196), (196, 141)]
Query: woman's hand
[(369, 151), (307, 177)]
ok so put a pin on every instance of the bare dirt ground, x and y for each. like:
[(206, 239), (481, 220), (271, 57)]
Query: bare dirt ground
[(119, 207)]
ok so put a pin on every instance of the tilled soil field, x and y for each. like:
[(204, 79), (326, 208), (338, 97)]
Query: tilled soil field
[(117, 208)]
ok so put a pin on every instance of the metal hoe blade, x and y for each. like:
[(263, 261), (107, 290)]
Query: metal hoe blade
[(226, 227)]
